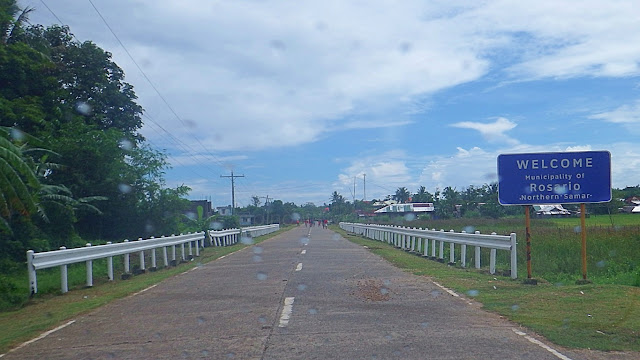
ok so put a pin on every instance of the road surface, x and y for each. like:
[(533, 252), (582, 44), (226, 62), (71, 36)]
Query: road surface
[(304, 294)]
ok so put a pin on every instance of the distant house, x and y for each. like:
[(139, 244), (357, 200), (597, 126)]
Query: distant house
[(415, 208), (551, 210), (224, 210), (246, 220), (632, 205)]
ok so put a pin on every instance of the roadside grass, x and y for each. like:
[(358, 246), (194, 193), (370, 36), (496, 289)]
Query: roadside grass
[(596, 316), (613, 253), (45, 311)]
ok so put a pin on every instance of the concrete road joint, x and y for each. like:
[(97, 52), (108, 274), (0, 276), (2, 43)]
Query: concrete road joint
[(541, 344)]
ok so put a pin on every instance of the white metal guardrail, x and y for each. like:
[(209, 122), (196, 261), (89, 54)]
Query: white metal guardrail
[(64, 257), (417, 240)]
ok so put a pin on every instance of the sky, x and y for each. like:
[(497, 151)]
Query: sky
[(305, 98)]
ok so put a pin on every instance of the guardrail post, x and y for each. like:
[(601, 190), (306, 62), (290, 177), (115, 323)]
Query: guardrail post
[(89, 271), (514, 257), (154, 265), (33, 282), (463, 255), (127, 267), (441, 254), (64, 284), (173, 256), (492, 261), (183, 257), (477, 254), (452, 250), (433, 248), (165, 257), (109, 265), (425, 248), (190, 250), (198, 242), (142, 264)]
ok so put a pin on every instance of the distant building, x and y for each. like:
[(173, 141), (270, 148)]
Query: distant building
[(551, 210), (415, 208), (246, 220), (224, 210)]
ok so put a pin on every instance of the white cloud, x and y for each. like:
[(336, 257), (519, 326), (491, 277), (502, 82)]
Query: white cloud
[(492, 132), (625, 114)]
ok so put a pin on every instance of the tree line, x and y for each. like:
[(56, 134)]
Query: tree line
[(73, 164)]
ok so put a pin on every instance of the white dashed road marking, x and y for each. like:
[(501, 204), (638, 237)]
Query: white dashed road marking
[(541, 344), (299, 267), (303, 252), (286, 312)]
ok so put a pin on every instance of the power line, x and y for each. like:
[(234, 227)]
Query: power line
[(233, 190)]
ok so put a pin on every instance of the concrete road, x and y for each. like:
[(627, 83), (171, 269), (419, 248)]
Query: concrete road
[(305, 294)]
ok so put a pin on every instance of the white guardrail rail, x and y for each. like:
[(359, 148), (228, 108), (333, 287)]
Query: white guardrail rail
[(417, 240), (64, 257)]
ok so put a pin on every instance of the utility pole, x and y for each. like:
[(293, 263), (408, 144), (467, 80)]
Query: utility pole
[(364, 176), (233, 188), (266, 205)]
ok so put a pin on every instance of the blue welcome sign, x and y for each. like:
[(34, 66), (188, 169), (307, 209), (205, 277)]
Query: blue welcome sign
[(554, 178)]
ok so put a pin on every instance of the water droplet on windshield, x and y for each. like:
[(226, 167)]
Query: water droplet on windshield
[(257, 258), (295, 217), (83, 108), (410, 217), (257, 250), (205, 353), (191, 215), (469, 229), (200, 320), (215, 225), (124, 188), (601, 263), (435, 293), (473, 292), (17, 134), (261, 275), (262, 320), (313, 311), (304, 241), (335, 237), (384, 291), (515, 308), (231, 355), (424, 324), (577, 229), (247, 240), (126, 144), (302, 287)]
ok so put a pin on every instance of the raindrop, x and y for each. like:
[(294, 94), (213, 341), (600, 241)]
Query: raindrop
[(515, 308), (205, 353), (612, 253), (387, 282), (257, 258), (435, 293), (215, 225), (313, 311), (200, 320), (262, 320), (384, 291), (424, 324), (83, 108), (295, 216), (601, 263), (302, 287), (149, 228), (157, 335), (247, 240), (388, 337), (191, 215), (304, 241), (405, 47), (565, 323), (473, 292), (17, 134), (185, 354), (257, 250), (410, 217), (335, 237), (111, 355), (261, 275), (469, 229), (231, 355), (577, 229), (124, 188), (125, 144)]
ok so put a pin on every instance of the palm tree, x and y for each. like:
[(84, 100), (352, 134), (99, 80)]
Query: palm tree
[(402, 195), (18, 180)]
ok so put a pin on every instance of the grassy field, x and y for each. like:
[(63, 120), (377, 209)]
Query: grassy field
[(50, 308), (596, 316), (613, 252)]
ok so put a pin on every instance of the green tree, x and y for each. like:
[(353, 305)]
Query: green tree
[(422, 195), (402, 195)]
